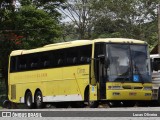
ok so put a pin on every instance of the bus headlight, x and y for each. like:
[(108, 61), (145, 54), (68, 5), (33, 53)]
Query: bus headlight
[(147, 88), (147, 94)]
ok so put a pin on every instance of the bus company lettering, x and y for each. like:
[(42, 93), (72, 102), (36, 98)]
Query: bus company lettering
[(42, 75), (81, 71), (38, 75)]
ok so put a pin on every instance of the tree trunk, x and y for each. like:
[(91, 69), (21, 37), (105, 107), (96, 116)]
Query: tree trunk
[(159, 28), (5, 73)]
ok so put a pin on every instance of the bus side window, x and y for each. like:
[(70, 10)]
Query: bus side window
[(71, 56), (33, 61), (22, 63), (60, 62), (58, 58), (69, 61), (13, 64), (85, 54), (22, 66), (45, 60), (74, 60), (46, 63), (82, 59), (33, 65)]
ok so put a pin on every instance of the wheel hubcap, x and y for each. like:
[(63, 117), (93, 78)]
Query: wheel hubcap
[(39, 100)]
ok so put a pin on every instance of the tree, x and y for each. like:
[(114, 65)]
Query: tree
[(82, 14), (27, 26), (113, 18), (6, 6), (159, 28), (37, 26), (132, 19), (49, 6), (69, 31)]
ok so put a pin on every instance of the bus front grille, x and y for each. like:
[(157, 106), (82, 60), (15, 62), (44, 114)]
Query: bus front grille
[(13, 92), (131, 87)]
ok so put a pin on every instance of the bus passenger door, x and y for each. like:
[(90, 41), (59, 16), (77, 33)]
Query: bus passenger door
[(101, 79)]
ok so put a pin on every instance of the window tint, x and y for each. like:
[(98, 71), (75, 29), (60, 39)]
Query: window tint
[(50, 59), (85, 54), (72, 56), (32, 62), (13, 64), (58, 58), (45, 59), (22, 63)]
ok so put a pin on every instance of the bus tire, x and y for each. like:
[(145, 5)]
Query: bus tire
[(38, 100), (28, 100), (6, 104), (158, 100)]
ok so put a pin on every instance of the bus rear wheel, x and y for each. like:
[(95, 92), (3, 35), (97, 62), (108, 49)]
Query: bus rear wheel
[(28, 100), (38, 99)]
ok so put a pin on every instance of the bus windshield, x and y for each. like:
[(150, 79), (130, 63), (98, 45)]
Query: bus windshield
[(140, 63), (128, 63)]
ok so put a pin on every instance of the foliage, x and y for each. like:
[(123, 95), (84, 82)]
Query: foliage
[(114, 18), (69, 32), (37, 26), (132, 19), (30, 24), (82, 15)]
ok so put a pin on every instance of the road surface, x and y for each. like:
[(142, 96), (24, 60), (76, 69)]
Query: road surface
[(128, 113)]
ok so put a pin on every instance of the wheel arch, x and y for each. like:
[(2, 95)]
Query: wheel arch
[(86, 92)]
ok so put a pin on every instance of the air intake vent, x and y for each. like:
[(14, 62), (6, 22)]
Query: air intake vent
[(131, 87), (13, 92), (138, 87), (126, 87)]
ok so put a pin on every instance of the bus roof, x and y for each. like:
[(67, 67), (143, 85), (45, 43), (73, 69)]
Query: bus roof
[(52, 47), (75, 43), (120, 40)]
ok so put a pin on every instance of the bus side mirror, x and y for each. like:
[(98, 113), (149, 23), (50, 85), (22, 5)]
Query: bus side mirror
[(104, 60), (102, 56)]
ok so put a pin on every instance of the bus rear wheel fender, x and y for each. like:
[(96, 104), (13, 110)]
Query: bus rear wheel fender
[(38, 98), (86, 93), (28, 99)]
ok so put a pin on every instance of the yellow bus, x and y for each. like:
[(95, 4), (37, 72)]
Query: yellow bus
[(108, 69)]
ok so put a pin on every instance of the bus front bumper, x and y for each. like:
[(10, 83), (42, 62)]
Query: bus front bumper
[(129, 95)]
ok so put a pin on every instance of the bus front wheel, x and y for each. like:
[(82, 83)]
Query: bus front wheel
[(38, 99), (28, 100)]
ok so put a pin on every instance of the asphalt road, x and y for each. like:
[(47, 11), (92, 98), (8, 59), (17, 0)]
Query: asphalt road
[(128, 113)]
